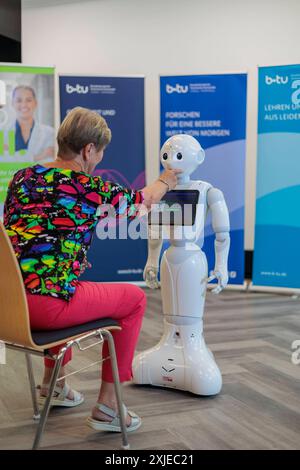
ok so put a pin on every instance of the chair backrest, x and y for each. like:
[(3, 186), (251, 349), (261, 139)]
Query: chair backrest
[(14, 316)]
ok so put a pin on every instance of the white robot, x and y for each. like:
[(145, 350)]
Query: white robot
[(181, 359)]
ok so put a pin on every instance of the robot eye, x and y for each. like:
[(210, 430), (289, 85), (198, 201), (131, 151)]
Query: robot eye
[(165, 156), (179, 156)]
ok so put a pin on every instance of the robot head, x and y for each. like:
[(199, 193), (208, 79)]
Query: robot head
[(182, 151)]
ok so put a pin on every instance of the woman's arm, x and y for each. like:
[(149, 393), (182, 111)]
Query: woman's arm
[(155, 191), (128, 202)]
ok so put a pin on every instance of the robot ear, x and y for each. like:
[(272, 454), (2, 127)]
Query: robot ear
[(201, 156)]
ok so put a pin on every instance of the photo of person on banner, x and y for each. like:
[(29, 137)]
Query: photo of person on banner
[(32, 137), (27, 133)]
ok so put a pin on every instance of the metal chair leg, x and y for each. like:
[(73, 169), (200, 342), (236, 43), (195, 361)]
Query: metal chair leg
[(36, 411), (45, 412), (112, 352)]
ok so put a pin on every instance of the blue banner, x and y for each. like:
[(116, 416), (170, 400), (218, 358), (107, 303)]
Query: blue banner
[(120, 100), (277, 226), (212, 108)]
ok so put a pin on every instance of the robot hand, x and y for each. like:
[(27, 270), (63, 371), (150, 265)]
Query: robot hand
[(222, 276), (151, 277)]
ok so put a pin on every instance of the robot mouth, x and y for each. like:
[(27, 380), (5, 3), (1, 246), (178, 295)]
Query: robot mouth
[(166, 370)]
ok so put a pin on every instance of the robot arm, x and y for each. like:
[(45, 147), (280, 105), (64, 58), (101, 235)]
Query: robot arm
[(220, 223), (154, 248)]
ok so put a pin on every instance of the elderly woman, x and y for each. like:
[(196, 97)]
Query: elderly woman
[(50, 215)]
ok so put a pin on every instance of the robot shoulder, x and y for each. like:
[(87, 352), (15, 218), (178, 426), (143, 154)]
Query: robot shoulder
[(200, 185), (214, 195)]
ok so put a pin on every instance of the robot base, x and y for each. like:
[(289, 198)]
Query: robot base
[(180, 360)]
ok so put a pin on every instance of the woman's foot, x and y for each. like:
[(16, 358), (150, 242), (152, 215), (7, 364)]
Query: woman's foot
[(63, 395), (105, 415), (99, 415), (106, 418), (45, 387)]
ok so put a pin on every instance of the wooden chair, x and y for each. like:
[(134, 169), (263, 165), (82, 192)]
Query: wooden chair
[(16, 334)]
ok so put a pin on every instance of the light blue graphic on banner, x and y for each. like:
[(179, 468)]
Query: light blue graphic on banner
[(120, 100), (279, 99), (212, 108), (277, 226)]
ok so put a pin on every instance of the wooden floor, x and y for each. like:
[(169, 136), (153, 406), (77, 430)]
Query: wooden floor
[(258, 408)]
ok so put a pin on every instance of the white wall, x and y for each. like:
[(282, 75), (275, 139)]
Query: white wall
[(152, 37)]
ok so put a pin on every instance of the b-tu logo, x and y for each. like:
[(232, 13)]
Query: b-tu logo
[(177, 88), (278, 80), (77, 88)]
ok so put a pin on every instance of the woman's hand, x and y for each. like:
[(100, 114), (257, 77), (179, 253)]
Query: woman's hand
[(155, 191), (170, 178)]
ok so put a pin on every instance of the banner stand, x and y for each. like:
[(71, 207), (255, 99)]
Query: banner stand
[(120, 100), (212, 109), (277, 224)]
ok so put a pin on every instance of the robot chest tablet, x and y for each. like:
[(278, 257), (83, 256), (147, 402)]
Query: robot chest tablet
[(178, 208), (180, 215)]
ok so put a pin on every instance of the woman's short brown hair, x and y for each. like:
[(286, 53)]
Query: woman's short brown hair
[(80, 127)]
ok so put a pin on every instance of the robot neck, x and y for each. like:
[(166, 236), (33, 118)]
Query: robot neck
[(183, 179)]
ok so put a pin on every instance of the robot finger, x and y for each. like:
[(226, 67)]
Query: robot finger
[(154, 285), (152, 274), (218, 275), (211, 278), (149, 274), (217, 289)]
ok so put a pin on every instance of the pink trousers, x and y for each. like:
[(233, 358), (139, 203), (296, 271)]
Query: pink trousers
[(92, 300)]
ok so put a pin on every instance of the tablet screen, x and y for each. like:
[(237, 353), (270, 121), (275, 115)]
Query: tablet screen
[(177, 207)]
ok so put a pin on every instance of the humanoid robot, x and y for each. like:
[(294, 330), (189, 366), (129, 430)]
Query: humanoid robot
[(181, 359)]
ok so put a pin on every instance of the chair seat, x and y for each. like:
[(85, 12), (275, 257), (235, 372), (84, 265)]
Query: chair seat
[(52, 336)]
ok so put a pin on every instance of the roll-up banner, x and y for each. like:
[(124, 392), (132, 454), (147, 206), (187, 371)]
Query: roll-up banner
[(277, 225), (212, 108), (118, 252), (27, 133)]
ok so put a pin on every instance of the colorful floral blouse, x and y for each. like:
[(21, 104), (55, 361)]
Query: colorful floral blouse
[(50, 215)]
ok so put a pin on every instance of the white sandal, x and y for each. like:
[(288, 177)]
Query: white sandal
[(113, 425), (60, 397)]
